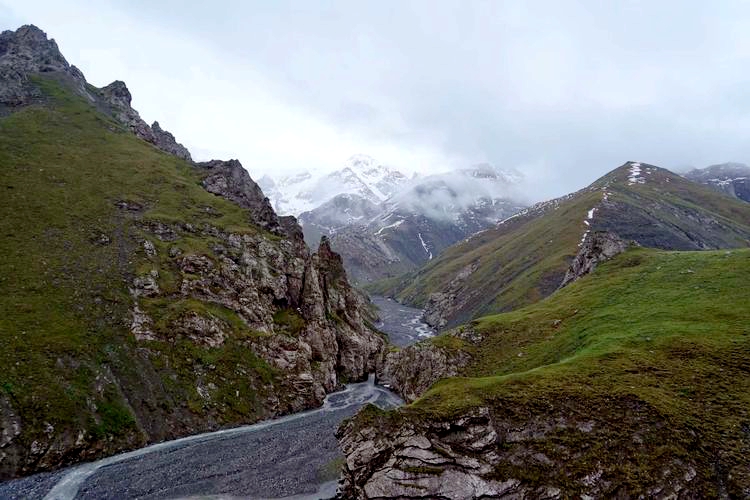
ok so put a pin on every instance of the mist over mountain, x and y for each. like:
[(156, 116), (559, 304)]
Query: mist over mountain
[(361, 175), (730, 178), (446, 196), (380, 238)]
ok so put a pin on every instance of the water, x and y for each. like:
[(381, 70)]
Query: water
[(403, 324), (286, 458)]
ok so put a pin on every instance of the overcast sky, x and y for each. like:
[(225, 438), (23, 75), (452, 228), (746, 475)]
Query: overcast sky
[(563, 91)]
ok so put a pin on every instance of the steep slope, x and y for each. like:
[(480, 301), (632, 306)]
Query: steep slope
[(426, 216), (730, 178), (144, 297), (633, 382), (527, 256)]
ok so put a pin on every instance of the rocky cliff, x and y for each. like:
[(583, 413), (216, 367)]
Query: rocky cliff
[(510, 453), (144, 297), (27, 52)]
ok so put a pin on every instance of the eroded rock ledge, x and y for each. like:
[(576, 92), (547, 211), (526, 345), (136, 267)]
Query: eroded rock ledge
[(545, 450), (412, 370)]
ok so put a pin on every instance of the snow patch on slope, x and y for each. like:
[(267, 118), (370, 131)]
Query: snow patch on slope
[(635, 174), (394, 225), (424, 245)]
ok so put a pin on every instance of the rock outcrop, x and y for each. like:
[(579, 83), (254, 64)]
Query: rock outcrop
[(116, 99), (313, 323), (183, 311), (597, 247), (412, 370), (27, 52), (512, 453), (231, 181), (166, 142)]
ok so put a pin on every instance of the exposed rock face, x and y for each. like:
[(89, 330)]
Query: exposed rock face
[(441, 304), (511, 453), (116, 97), (597, 247), (411, 371), (231, 181), (27, 52), (24, 52), (166, 142), (258, 280)]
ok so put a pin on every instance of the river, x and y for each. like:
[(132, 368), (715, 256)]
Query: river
[(293, 458)]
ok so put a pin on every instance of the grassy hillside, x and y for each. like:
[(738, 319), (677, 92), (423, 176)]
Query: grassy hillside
[(71, 367), (652, 350), (525, 258)]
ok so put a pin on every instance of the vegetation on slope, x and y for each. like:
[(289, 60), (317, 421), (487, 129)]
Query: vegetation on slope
[(653, 350), (69, 255), (524, 259)]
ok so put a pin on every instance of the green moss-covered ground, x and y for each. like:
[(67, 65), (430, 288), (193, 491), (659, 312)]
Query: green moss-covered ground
[(68, 256), (661, 335), (525, 259)]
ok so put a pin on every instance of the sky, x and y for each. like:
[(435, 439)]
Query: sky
[(562, 91)]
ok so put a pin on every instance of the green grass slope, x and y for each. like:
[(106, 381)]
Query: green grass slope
[(653, 350), (68, 256), (525, 258)]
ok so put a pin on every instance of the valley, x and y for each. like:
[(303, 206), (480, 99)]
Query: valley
[(175, 328), (293, 456)]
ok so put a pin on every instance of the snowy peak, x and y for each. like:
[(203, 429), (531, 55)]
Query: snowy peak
[(361, 175), (379, 179)]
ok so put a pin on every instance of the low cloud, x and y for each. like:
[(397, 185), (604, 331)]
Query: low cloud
[(562, 91)]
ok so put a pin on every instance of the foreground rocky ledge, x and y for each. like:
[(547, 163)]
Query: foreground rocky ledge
[(554, 451)]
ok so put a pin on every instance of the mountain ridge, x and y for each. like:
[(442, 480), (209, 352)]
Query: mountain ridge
[(730, 178), (424, 216), (143, 296), (526, 257)]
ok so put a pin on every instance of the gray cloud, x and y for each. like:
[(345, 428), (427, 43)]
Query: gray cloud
[(562, 91)]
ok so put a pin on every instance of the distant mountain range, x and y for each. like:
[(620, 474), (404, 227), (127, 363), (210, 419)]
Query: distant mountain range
[(361, 175), (528, 256), (384, 223), (730, 178)]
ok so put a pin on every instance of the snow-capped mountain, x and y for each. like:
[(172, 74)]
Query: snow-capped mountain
[(426, 215), (384, 223), (361, 176), (731, 178)]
